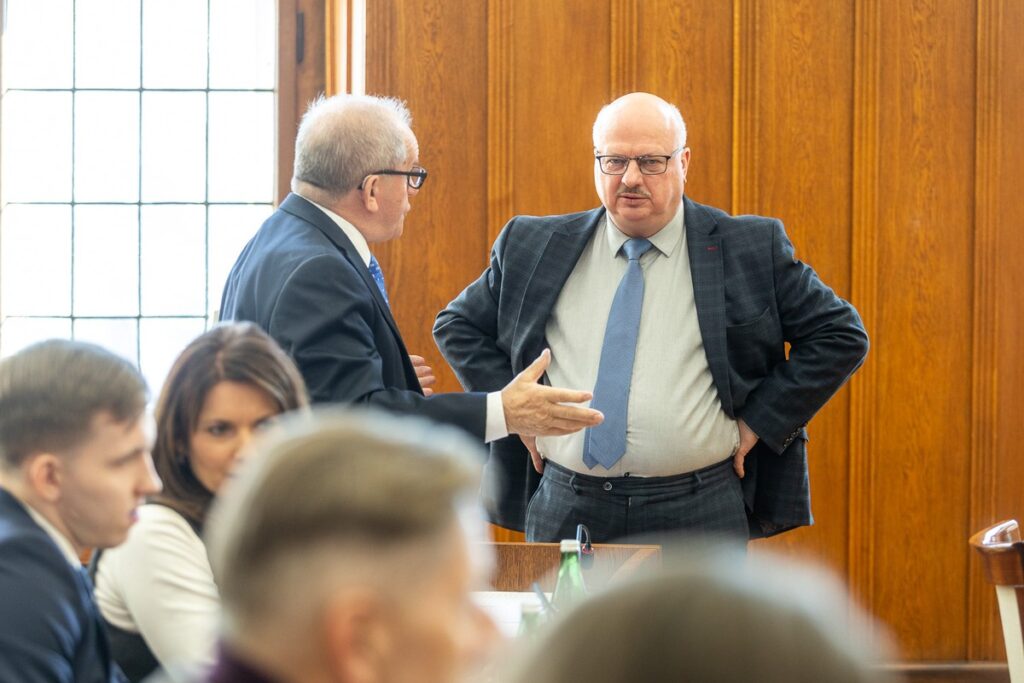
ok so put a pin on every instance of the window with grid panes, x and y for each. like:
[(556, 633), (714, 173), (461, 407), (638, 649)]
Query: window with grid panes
[(137, 149)]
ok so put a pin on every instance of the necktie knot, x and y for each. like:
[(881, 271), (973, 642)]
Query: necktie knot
[(636, 247)]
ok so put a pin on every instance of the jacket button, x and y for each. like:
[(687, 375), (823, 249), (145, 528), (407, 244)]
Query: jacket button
[(607, 486)]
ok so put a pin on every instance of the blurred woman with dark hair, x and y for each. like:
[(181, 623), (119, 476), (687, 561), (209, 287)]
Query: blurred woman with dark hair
[(156, 591)]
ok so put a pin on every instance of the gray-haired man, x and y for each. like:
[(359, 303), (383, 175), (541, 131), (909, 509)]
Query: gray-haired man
[(309, 279)]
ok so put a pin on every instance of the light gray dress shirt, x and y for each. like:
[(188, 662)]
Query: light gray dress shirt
[(676, 423)]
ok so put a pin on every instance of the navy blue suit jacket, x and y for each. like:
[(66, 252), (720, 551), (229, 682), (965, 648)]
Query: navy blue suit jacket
[(302, 280), (50, 629), (752, 297)]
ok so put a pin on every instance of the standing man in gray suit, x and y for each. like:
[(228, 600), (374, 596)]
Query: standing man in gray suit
[(678, 315)]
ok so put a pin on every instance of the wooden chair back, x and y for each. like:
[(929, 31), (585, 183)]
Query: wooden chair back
[(520, 564), (1002, 553)]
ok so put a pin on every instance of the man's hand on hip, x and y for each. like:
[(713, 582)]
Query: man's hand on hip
[(747, 441), (531, 445), (532, 409)]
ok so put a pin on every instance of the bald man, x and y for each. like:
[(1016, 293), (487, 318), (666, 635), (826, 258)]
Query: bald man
[(677, 314)]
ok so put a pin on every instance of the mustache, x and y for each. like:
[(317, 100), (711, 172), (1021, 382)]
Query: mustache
[(633, 190)]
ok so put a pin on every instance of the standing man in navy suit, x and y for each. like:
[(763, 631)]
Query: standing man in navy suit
[(74, 466), (678, 315), (309, 279)]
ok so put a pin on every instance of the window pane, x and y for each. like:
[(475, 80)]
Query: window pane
[(161, 341), (242, 44), (230, 228), (36, 147), (36, 267), (241, 152), (37, 44), (17, 333), (173, 260), (174, 43), (173, 147), (106, 147), (106, 260), (119, 335), (100, 61)]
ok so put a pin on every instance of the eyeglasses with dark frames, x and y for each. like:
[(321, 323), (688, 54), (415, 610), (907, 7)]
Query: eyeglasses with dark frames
[(649, 164), (415, 177)]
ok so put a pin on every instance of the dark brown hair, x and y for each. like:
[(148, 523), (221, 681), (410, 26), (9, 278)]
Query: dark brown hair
[(236, 352), (51, 391)]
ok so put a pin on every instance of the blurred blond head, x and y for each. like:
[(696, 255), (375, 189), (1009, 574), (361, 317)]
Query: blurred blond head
[(724, 618), (344, 551)]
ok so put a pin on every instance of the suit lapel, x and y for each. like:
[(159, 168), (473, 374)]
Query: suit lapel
[(707, 271), (302, 208), (556, 259)]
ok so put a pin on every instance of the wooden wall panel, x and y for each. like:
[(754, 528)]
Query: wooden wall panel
[(433, 55), (799, 57), (885, 134), (997, 484), (685, 55), (923, 334), (560, 71)]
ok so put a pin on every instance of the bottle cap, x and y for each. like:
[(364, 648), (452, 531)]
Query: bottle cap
[(570, 545)]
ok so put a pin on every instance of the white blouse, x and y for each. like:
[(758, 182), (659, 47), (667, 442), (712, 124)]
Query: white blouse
[(159, 584)]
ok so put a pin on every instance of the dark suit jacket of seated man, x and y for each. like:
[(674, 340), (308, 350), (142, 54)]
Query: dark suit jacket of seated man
[(74, 465), (309, 279), (741, 296)]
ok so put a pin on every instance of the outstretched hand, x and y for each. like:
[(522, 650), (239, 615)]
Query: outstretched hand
[(533, 409)]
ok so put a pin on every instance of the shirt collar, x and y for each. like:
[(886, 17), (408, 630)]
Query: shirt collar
[(66, 549), (351, 231), (665, 240)]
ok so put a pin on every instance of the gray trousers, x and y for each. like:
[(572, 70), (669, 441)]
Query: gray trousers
[(706, 503)]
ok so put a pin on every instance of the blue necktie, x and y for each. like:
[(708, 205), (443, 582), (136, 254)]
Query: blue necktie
[(605, 444), (378, 277)]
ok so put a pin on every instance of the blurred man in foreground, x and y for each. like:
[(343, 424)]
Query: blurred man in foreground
[(344, 552), (723, 619)]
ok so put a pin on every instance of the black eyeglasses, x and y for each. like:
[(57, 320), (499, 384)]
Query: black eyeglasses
[(649, 164), (415, 177)]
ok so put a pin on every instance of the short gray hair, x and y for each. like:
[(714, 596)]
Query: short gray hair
[(51, 391), (332, 495), (344, 138)]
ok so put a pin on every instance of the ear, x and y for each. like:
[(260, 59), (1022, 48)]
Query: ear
[(44, 473), (369, 193), (356, 637)]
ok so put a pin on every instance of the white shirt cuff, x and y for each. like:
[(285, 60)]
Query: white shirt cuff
[(495, 427)]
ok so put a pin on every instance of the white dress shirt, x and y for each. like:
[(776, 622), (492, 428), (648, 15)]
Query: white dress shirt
[(63, 544), (675, 422)]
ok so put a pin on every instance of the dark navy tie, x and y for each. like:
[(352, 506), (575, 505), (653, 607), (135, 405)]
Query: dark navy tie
[(378, 277), (605, 444)]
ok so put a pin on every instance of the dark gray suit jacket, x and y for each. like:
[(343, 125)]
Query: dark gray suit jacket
[(302, 280), (752, 296)]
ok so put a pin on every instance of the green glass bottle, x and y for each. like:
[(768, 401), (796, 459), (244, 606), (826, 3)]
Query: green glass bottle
[(569, 588)]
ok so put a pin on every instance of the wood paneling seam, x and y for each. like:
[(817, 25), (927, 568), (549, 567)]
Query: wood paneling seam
[(499, 115), (744, 139), (865, 290), (985, 328), (623, 41)]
